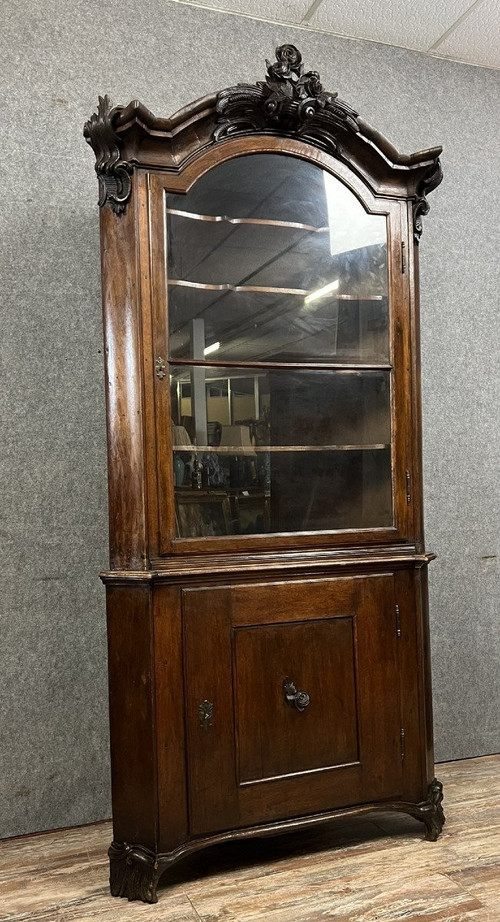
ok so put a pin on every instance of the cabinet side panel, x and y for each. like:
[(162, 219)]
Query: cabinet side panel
[(422, 597), (170, 718), (213, 792), (415, 780), (378, 686), (416, 377), (132, 717), (122, 337)]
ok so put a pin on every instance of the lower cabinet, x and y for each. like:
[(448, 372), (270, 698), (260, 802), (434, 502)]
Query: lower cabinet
[(292, 699), (253, 706)]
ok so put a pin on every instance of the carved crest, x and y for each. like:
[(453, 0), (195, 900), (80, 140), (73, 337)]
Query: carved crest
[(289, 101), (115, 184)]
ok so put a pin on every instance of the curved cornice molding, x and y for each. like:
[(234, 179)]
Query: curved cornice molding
[(289, 103)]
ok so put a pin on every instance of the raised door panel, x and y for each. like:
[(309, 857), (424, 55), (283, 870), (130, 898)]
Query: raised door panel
[(278, 722), (292, 699)]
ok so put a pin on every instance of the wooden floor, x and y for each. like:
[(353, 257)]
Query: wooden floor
[(374, 870)]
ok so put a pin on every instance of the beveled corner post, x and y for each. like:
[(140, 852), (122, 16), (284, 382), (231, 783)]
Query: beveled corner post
[(177, 600)]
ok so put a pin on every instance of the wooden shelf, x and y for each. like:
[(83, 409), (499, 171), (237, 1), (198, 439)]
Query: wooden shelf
[(226, 286), (240, 450), (347, 365), (265, 289), (265, 222)]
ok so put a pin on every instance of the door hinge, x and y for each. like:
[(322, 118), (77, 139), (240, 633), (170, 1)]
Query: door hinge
[(408, 487), (402, 743), (403, 257), (398, 622)]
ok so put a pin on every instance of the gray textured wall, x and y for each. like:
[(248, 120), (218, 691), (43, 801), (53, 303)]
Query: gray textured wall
[(57, 58)]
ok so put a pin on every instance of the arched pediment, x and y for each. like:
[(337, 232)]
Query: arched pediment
[(290, 102)]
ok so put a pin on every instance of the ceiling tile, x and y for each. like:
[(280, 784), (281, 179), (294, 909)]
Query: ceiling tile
[(476, 40), (406, 23), (275, 10)]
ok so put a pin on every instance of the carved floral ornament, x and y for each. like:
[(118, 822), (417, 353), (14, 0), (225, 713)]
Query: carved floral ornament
[(288, 103)]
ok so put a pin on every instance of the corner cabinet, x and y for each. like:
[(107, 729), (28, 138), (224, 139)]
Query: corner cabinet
[(266, 597)]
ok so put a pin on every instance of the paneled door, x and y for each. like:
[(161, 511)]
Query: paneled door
[(292, 698)]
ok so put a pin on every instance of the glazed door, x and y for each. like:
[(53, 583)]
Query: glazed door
[(281, 311), (292, 699)]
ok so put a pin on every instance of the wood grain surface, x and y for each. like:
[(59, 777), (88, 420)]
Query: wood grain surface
[(360, 871)]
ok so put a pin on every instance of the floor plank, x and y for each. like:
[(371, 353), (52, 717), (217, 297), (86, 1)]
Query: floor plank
[(369, 869)]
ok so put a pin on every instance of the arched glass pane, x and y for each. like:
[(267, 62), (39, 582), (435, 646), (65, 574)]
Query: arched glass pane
[(281, 263), (273, 260)]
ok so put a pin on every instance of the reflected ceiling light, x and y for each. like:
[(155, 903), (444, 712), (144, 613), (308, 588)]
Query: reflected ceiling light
[(322, 292), (213, 348)]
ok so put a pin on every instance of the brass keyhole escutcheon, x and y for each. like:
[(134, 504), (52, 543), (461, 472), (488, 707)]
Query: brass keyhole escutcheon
[(205, 714)]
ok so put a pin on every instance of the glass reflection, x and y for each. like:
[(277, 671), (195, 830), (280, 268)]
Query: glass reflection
[(280, 450), (275, 260)]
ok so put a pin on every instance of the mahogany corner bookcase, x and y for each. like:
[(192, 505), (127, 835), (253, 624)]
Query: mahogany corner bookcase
[(267, 596)]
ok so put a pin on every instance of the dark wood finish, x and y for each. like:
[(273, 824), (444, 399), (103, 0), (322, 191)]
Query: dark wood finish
[(337, 640), (292, 679), (289, 101), (132, 715), (424, 653), (170, 143), (124, 390), (135, 871), (113, 172), (258, 683), (169, 709), (413, 298)]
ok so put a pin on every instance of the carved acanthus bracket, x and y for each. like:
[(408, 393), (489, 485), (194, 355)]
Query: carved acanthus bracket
[(113, 173), (436, 819), (421, 206), (430, 811), (289, 102), (133, 872)]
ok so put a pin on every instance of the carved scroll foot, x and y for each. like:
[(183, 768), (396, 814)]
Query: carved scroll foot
[(134, 872), (430, 811), (435, 819)]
